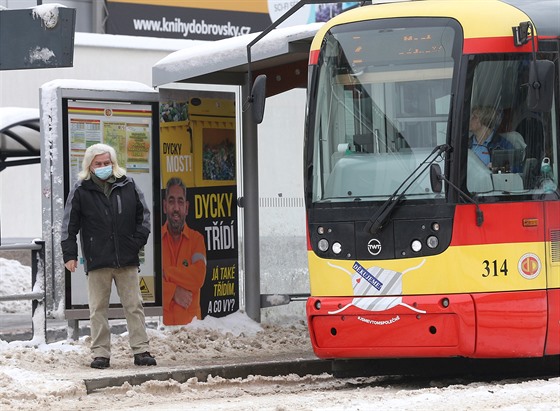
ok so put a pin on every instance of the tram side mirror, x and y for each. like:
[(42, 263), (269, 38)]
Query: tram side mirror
[(436, 178), (258, 97), (541, 85)]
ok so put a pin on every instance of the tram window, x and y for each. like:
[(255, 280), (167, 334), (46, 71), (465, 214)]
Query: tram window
[(379, 110), (509, 147)]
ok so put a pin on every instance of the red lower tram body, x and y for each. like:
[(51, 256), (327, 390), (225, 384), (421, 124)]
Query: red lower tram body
[(483, 325)]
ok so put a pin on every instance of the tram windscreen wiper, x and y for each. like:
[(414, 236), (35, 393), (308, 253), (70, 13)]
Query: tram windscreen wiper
[(379, 218)]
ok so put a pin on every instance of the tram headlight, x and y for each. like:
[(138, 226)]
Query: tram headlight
[(336, 247), (416, 245), (432, 241), (323, 245), (320, 230)]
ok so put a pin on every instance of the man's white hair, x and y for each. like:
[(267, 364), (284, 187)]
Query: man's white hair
[(95, 150)]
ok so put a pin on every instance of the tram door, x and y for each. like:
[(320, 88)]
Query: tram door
[(509, 151)]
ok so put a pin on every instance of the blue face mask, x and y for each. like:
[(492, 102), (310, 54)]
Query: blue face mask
[(104, 172)]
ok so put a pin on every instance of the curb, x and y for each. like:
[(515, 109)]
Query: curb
[(300, 367)]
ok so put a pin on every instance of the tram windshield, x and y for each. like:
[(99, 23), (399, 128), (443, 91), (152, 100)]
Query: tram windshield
[(381, 105)]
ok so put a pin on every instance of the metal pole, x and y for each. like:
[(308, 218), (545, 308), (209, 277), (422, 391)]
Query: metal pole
[(98, 16), (251, 211), (38, 272)]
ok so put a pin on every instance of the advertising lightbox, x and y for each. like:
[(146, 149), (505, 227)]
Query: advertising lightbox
[(74, 115), (128, 128), (199, 244)]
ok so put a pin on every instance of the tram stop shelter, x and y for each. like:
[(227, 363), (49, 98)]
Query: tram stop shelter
[(282, 55), (20, 137)]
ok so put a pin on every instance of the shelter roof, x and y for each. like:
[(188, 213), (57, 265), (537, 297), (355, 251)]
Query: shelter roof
[(20, 136)]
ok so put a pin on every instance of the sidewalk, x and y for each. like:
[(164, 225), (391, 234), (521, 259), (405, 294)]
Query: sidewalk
[(239, 364)]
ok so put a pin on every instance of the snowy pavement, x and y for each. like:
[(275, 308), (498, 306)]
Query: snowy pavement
[(55, 376)]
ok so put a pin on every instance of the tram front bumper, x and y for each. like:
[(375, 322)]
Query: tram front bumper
[(418, 326)]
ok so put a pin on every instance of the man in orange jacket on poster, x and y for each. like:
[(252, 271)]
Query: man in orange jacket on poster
[(183, 258)]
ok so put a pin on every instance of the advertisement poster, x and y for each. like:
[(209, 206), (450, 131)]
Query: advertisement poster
[(199, 245), (128, 129), (209, 20)]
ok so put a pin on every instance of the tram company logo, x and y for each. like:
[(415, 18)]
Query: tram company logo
[(374, 246), (529, 266)]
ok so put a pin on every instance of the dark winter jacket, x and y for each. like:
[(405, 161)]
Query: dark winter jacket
[(112, 229)]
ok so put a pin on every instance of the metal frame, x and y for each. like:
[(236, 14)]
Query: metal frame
[(52, 172)]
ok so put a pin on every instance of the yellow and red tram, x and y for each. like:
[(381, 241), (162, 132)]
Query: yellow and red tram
[(425, 240)]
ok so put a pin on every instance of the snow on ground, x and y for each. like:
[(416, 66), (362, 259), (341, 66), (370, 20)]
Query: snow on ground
[(51, 376), (14, 279)]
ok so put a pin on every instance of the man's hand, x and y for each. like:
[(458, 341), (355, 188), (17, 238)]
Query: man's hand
[(71, 265), (182, 297)]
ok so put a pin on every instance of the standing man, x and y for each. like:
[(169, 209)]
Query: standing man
[(108, 210), (183, 258)]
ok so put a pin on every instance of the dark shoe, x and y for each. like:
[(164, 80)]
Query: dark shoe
[(144, 359), (100, 362)]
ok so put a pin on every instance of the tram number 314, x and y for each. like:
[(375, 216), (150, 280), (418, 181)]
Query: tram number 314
[(491, 268)]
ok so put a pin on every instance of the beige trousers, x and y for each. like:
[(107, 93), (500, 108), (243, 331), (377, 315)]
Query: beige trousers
[(99, 293)]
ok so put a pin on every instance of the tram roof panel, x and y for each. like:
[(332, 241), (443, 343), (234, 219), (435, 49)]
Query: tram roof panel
[(496, 22), (225, 61)]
